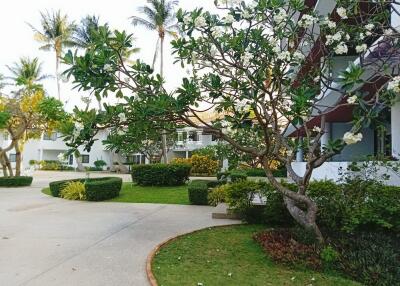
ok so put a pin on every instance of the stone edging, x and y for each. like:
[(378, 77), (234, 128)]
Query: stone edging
[(150, 276)]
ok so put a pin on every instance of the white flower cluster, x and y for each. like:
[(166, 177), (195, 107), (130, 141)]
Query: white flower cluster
[(61, 157), (187, 20), (200, 22), (246, 14), (122, 117), (317, 129), (280, 16), (108, 68), (229, 19), (216, 32), (341, 49), (342, 12), (286, 56), (228, 2), (361, 48), (351, 138), (394, 84), (352, 99), (77, 129), (330, 24), (307, 20)]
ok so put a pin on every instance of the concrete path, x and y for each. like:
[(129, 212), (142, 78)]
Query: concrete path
[(50, 241)]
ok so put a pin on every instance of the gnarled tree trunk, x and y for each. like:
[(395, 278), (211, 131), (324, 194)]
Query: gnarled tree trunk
[(18, 160)]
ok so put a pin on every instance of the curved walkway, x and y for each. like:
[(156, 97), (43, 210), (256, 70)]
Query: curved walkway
[(49, 241)]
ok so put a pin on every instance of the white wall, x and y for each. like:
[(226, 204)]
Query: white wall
[(395, 110), (395, 17)]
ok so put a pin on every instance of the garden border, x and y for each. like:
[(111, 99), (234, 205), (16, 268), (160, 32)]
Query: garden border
[(149, 272)]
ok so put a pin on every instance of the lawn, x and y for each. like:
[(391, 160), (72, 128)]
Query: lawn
[(229, 256), (156, 195)]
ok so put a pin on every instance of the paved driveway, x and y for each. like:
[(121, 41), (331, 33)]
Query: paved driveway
[(50, 241)]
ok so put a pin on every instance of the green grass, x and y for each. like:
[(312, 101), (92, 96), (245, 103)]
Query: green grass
[(156, 195), (229, 256)]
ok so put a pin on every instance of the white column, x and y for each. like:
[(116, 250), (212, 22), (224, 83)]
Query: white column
[(187, 154), (180, 138), (299, 153), (326, 136), (395, 121), (41, 154), (225, 165), (199, 137)]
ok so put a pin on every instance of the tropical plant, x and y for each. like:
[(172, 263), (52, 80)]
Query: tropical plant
[(74, 190), (55, 34), (160, 17), (27, 73), (250, 66), (83, 34)]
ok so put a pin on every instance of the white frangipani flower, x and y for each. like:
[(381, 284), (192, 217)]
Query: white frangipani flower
[(229, 19), (317, 129), (342, 12), (246, 58), (341, 49), (361, 48), (352, 99), (307, 20), (216, 32), (281, 16), (122, 117), (246, 14), (284, 56), (388, 32), (108, 68), (329, 23), (369, 27), (298, 57), (200, 22), (351, 138), (187, 20), (394, 84)]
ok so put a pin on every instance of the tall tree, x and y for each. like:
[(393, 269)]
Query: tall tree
[(1, 81), (27, 73), (159, 17), (84, 32), (55, 34)]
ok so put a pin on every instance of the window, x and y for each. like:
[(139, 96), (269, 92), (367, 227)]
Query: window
[(137, 159), (85, 159), (51, 137), (13, 157), (193, 136), (71, 160)]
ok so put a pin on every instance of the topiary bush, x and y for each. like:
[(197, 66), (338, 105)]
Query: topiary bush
[(160, 174), (20, 181), (96, 189), (201, 165), (198, 192)]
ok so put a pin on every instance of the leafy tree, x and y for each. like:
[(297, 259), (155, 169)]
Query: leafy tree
[(254, 60), (55, 34), (160, 17), (83, 35)]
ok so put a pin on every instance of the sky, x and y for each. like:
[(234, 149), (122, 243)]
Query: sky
[(17, 36)]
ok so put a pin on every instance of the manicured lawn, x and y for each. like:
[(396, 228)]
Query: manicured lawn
[(156, 195), (229, 256)]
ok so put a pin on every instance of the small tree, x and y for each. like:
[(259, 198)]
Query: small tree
[(256, 59)]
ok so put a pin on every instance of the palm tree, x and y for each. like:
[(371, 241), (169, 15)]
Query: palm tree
[(1, 82), (55, 34), (27, 72), (83, 35), (159, 17)]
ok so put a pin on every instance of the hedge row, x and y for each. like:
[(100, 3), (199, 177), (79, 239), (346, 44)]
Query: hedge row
[(20, 181), (161, 174), (198, 191), (97, 189)]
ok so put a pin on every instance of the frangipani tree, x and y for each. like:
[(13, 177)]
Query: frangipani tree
[(269, 58)]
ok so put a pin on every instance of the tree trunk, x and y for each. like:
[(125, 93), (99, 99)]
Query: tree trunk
[(78, 160), (306, 218), (3, 165), (164, 133), (9, 167), (18, 160), (122, 167), (57, 75)]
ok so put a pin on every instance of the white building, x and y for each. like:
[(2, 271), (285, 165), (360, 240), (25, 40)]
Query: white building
[(338, 119)]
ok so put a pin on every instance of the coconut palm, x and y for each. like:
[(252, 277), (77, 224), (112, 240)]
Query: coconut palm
[(27, 72), (159, 17), (1, 82), (55, 34), (83, 35)]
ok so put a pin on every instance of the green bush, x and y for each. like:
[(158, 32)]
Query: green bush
[(103, 189), (74, 190), (198, 192), (237, 176), (255, 172), (20, 181), (99, 164), (275, 212), (96, 189), (54, 165), (371, 258), (161, 174)]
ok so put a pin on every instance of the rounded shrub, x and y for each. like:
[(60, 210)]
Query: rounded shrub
[(96, 189), (161, 174), (20, 181), (198, 192)]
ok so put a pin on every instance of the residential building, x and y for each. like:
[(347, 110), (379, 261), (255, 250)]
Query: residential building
[(374, 142)]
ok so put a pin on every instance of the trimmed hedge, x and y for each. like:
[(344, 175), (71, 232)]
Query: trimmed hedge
[(235, 175), (20, 181), (97, 189), (161, 174), (198, 190)]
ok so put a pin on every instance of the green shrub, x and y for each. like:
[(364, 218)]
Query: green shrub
[(161, 174), (329, 256), (275, 212), (237, 176), (99, 164), (97, 189), (255, 172), (223, 175), (281, 172), (371, 258), (218, 195), (54, 165), (20, 181), (103, 189), (73, 190), (198, 192)]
